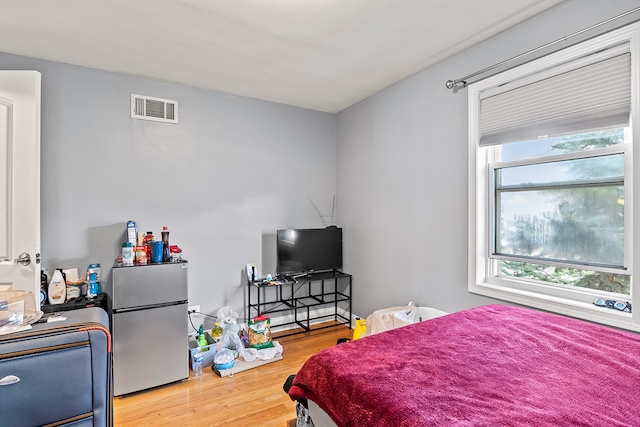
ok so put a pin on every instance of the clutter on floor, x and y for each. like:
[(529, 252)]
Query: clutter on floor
[(231, 348), (394, 317), (391, 318)]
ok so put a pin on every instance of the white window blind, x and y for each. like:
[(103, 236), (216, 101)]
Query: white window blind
[(586, 97)]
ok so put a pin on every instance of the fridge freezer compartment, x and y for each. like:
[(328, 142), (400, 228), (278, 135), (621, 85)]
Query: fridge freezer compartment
[(152, 284)]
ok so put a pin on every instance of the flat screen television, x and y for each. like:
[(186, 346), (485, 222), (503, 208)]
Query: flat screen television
[(308, 250)]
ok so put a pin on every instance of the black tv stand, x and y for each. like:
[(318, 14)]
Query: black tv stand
[(297, 303), (314, 273)]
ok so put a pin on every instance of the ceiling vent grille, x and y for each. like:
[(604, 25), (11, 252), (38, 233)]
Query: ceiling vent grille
[(156, 109)]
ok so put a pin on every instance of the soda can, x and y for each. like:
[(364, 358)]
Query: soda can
[(93, 268), (93, 290)]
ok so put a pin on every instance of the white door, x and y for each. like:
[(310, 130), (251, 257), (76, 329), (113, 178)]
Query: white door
[(20, 181)]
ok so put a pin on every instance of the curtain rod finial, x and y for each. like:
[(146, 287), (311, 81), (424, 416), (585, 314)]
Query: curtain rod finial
[(453, 83)]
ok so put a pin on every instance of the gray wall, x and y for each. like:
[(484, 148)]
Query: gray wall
[(235, 169), (223, 180), (402, 171)]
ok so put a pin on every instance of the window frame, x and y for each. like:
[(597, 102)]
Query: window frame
[(620, 149), (482, 277)]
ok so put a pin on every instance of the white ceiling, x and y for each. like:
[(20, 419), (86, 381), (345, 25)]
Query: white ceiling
[(323, 55)]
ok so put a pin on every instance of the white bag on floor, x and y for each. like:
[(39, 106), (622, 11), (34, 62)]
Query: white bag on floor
[(390, 318), (251, 354)]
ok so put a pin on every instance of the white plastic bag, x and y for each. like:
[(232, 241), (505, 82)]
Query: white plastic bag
[(223, 357), (17, 311), (231, 340), (226, 316), (251, 354), (406, 316)]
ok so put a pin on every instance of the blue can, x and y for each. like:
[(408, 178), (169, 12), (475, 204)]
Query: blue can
[(93, 268), (93, 290)]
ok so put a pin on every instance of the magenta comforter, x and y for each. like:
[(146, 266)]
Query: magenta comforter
[(490, 366)]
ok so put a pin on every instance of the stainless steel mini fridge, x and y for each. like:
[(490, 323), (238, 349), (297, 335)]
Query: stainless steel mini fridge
[(150, 341)]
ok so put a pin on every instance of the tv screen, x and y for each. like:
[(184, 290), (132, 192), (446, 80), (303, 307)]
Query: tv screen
[(308, 250)]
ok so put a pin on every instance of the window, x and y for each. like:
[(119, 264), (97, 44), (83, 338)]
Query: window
[(551, 166)]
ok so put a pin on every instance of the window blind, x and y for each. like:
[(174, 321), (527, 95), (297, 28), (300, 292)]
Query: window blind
[(589, 97)]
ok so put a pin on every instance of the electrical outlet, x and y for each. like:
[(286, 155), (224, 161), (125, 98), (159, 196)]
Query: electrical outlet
[(194, 309)]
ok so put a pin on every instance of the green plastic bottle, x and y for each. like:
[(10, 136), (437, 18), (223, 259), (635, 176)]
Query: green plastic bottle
[(202, 340)]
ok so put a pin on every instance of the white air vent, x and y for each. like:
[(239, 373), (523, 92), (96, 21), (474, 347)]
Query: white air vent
[(157, 109)]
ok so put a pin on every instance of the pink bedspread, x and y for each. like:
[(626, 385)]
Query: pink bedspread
[(490, 366)]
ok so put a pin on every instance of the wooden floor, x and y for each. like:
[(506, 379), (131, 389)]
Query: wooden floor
[(253, 398)]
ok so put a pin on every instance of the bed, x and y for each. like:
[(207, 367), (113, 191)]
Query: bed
[(493, 365)]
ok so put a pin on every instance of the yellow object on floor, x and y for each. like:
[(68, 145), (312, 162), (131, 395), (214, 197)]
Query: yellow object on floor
[(361, 327)]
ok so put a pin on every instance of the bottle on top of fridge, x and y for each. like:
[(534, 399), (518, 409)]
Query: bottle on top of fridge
[(166, 250)]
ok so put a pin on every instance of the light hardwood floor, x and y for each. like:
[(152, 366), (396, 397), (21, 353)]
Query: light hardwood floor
[(253, 398)]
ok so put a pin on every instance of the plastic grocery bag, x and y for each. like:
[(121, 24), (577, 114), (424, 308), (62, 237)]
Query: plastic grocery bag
[(223, 357), (17, 311), (226, 316), (231, 340), (251, 354)]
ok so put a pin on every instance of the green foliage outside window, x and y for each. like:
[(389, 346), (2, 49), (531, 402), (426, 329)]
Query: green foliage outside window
[(608, 282), (586, 223)]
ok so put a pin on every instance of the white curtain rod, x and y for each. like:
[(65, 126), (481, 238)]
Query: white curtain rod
[(463, 80)]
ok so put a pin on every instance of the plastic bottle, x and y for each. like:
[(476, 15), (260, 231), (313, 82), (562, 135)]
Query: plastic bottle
[(198, 360), (57, 288), (202, 340), (216, 332), (361, 328), (166, 252)]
